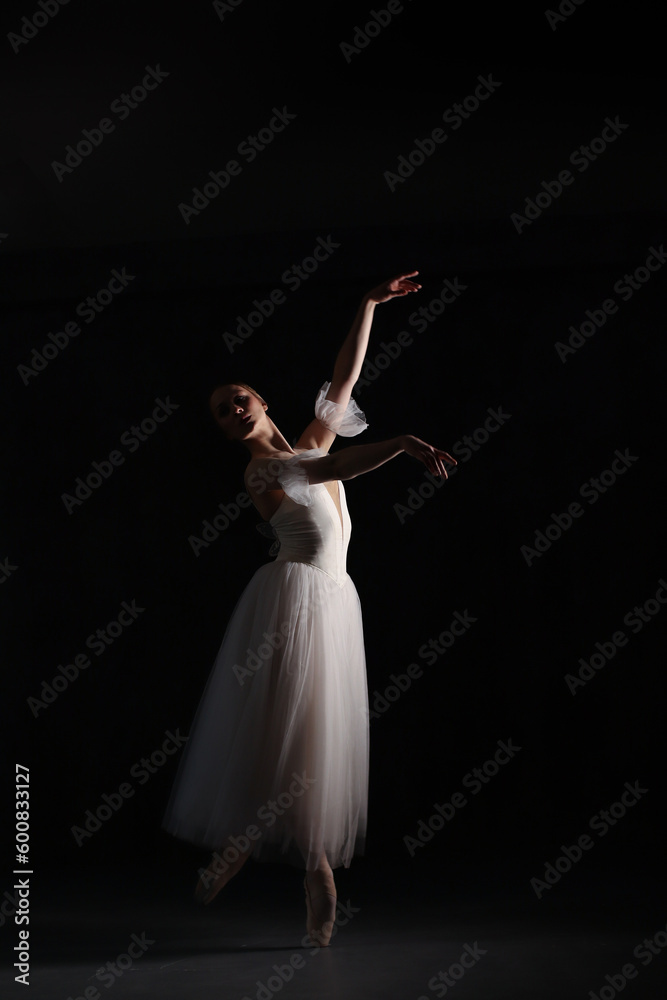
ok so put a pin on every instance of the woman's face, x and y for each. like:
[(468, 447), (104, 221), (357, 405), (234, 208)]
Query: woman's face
[(237, 411)]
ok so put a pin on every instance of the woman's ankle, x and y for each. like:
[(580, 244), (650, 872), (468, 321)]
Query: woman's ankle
[(322, 877)]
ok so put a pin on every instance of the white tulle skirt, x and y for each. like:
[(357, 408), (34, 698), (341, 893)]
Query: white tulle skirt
[(278, 751)]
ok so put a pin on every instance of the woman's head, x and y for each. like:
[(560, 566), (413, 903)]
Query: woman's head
[(238, 410)]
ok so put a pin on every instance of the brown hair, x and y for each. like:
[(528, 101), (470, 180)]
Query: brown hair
[(243, 385)]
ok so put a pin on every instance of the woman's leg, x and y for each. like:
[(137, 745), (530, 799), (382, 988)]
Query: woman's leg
[(321, 879), (224, 864)]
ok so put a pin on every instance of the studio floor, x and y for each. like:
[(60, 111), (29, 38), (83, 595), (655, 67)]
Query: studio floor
[(407, 935)]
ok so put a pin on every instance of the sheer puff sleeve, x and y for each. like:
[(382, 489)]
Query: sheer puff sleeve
[(293, 478), (347, 421)]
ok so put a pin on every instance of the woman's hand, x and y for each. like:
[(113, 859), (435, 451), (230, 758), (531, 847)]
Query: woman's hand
[(433, 458), (400, 285)]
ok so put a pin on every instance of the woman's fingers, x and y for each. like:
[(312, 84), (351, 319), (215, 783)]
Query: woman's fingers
[(400, 285), (447, 458), (403, 279), (430, 460), (435, 459)]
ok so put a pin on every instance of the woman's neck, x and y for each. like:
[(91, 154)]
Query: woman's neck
[(268, 444)]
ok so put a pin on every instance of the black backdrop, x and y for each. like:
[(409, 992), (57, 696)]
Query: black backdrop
[(523, 285)]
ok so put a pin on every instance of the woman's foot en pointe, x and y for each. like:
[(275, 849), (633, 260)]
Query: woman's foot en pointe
[(218, 874), (320, 906)]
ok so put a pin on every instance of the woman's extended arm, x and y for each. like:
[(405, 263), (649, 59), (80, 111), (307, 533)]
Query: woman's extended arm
[(350, 359), (358, 459), (264, 474)]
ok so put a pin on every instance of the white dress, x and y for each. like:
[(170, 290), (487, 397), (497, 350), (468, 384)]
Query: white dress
[(278, 751)]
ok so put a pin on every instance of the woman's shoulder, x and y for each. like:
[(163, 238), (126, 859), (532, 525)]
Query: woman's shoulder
[(259, 470), (269, 471), (265, 459), (276, 455)]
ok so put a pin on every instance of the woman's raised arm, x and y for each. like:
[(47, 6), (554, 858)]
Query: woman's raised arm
[(350, 359)]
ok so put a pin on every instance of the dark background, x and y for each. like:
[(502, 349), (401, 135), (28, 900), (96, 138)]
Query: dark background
[(321, 177)]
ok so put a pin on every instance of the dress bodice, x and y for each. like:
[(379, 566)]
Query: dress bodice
[(307, 524), (315, 534)]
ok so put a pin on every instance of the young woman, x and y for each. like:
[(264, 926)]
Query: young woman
[(276, 764)]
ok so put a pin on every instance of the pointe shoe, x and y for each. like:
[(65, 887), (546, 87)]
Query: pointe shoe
[(216, 877), (321, 914)]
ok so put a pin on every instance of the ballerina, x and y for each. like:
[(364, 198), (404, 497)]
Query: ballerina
[(276, 764)]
